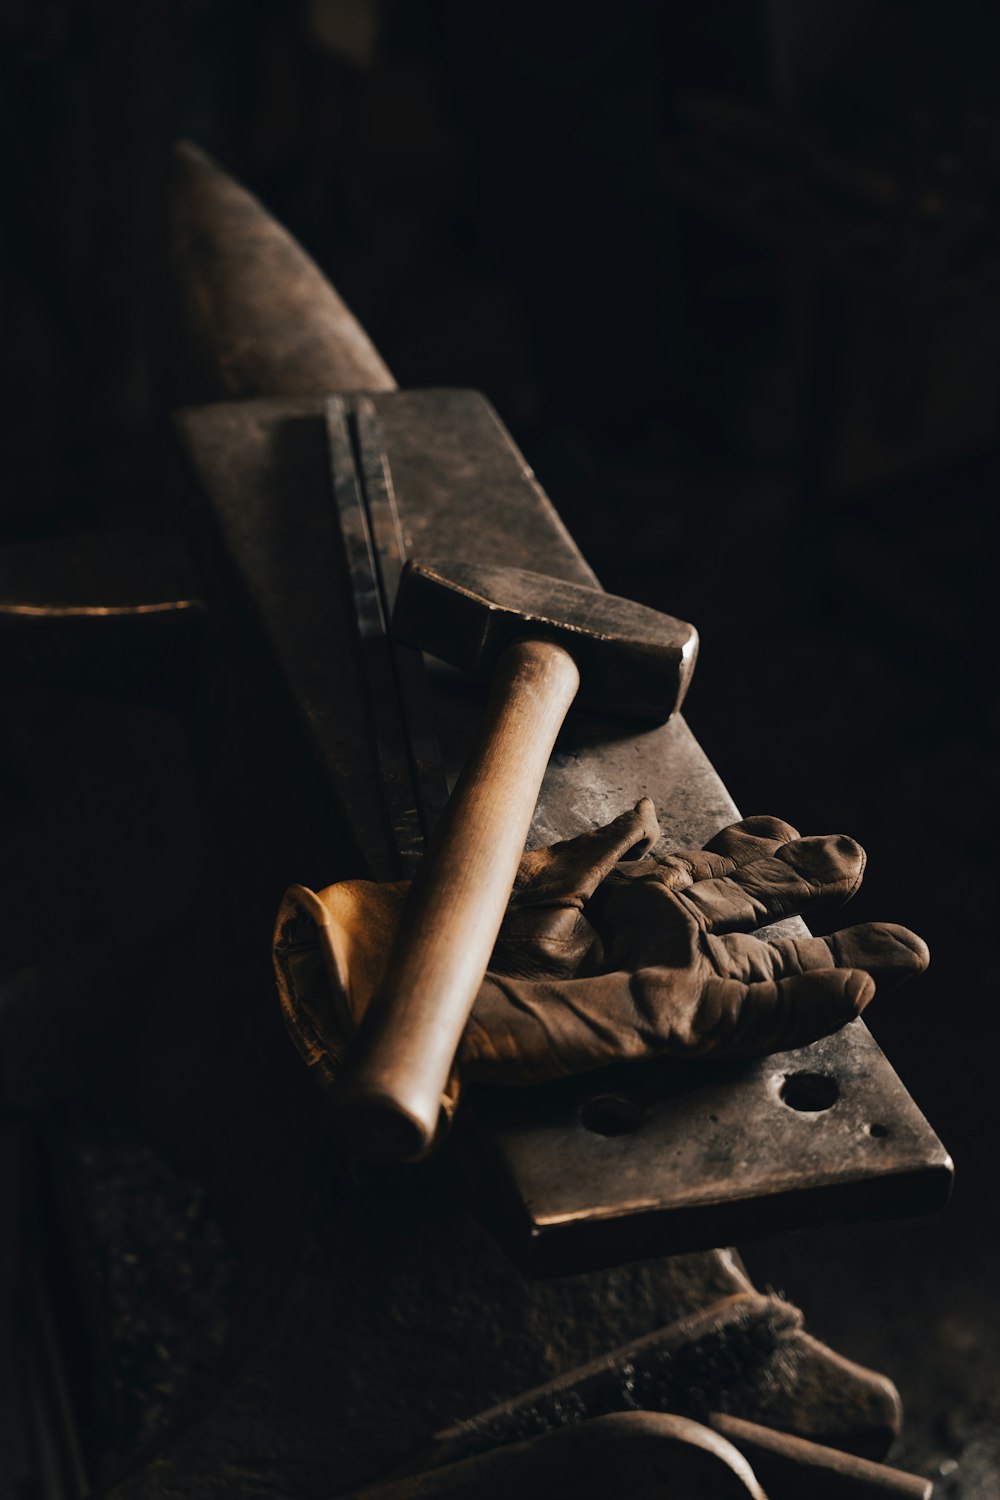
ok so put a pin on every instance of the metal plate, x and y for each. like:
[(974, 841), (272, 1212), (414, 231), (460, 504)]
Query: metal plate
[(683, 1155), (708, 1154)]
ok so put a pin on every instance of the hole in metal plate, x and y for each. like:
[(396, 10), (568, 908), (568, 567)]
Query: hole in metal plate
[(878, 1131), (610, 1114), (809, 1092)]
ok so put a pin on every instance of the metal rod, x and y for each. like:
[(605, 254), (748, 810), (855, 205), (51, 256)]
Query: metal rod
[(390, 555), (415, 787), (398, 787)]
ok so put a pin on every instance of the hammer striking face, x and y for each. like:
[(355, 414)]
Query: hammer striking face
[(632, 660), (540, 637)]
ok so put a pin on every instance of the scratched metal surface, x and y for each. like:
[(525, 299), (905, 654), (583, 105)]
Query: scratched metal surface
[(706, 1154)]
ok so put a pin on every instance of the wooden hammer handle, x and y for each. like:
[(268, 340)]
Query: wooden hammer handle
[(390, 1097)]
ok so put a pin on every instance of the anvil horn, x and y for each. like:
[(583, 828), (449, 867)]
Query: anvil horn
[(251, 314)]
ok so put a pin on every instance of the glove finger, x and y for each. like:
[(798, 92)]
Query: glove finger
[(739, 844), (526, 1032), (572, 870), (752, 838), (529, 1032), (887, 952), (798, 877), (750, 1020)]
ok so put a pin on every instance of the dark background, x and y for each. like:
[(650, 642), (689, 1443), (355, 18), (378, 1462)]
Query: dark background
[(731, 275)]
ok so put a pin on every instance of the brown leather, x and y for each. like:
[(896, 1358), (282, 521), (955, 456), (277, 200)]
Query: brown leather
[(611, 952)]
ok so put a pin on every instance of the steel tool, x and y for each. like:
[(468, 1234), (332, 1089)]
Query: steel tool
[(791, 1467), (413, 781)]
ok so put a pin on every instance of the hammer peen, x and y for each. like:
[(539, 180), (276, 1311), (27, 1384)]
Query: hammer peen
[(544, 641)]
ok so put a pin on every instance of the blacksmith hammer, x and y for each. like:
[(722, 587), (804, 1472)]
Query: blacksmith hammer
[(545, 641)]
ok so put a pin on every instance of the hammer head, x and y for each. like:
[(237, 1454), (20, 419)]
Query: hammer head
[(632, 660)]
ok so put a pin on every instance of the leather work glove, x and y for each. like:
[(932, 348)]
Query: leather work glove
[(611, 952)]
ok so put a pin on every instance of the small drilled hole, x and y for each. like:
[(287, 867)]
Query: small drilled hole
[(809, 1092), (610, 1114), (878, 1131)]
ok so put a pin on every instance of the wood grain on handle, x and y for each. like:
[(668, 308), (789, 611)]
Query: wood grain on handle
[(390, 1097)]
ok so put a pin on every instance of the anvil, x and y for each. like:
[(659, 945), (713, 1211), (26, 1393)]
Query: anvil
[(652, 1158)]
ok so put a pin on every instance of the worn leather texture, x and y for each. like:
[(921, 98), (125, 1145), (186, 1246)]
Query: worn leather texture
[(612, 951)]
